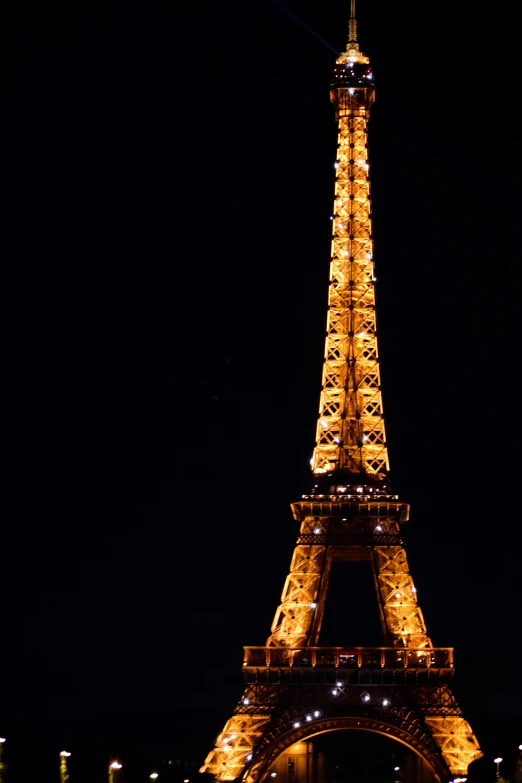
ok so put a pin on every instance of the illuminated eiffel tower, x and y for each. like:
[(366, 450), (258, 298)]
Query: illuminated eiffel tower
[(295, 689)]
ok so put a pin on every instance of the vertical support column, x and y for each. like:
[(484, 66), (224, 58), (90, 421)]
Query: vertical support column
[(350, 429), (403, 616)]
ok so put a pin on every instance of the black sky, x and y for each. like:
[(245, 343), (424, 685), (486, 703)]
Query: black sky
[(168, 178)]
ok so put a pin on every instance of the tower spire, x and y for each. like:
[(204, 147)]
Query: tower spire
[(352, 53), (352, 27)]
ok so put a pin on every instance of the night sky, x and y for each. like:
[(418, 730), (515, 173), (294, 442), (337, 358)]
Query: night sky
[(168, 180)]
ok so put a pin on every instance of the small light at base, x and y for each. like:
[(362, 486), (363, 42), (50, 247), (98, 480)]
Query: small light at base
[(249, 757), (385, 702), (246, 701), (313, 605), (317, 530), (296, 724), (334, 692), (316, 714), (308, 717)]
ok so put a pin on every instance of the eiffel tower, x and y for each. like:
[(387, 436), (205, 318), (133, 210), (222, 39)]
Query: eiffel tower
[(295, 689)]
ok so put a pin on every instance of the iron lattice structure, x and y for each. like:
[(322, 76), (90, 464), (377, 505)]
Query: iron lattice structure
[(295, 689)]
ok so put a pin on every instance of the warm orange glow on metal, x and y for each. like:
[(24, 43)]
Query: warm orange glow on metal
[(350, 428), (342, 658), (307, 581), (354, 519)]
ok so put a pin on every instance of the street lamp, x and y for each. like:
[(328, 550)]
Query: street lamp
[(2, 765), (112, 769), (497, 762), (64, 774)]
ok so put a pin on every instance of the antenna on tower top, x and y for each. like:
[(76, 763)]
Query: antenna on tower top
[(352, 26)]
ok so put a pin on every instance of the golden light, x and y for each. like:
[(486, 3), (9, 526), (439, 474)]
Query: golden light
[(350, 448)]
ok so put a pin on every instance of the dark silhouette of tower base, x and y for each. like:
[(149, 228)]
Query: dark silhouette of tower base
[(295, 689)]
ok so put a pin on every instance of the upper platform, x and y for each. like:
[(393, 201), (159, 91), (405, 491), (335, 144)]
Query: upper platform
[(350, 74)]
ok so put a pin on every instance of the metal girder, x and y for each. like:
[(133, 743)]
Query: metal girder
[(235, 743), (456, 740), (290, 672), (350, 429), (399, 596), (338, 697), (327, 664), (407, 696), (294, 615), (304, 592), (405, 725)]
